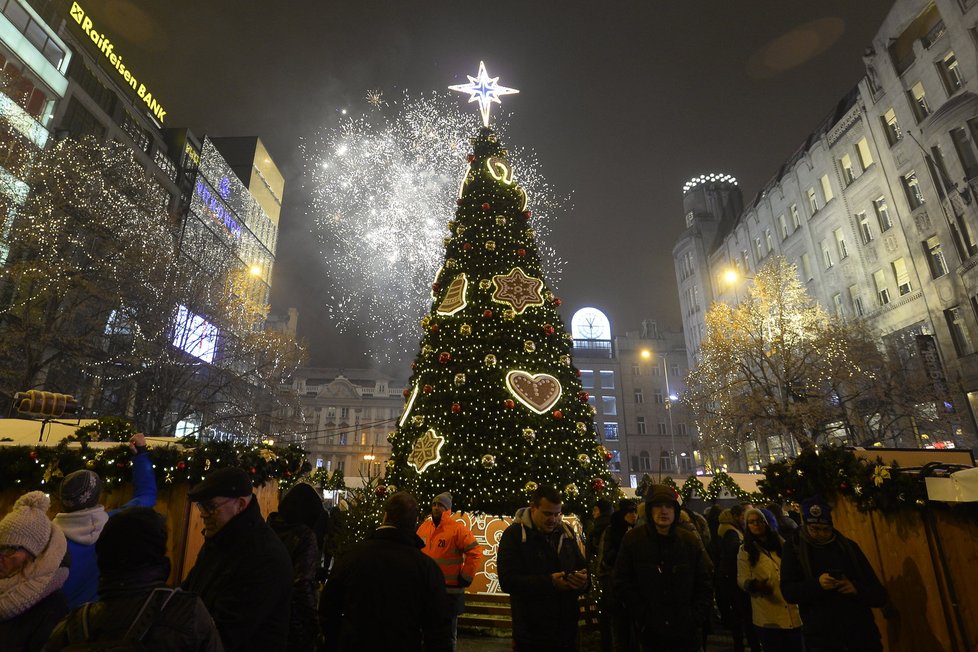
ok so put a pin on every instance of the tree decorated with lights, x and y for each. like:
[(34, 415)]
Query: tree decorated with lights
[(495, 407)]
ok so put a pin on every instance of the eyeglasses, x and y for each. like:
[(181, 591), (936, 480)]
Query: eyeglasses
[(210, 506)]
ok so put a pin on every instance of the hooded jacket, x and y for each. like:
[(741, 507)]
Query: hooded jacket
[(526, 560), (385, 594), (768, 610), (83, 527), (243, 575)]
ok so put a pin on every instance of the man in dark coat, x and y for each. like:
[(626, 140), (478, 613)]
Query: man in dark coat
[(542, 567), (133, 567), (831, 581), (384, 593), (663, 578), (243, 572)]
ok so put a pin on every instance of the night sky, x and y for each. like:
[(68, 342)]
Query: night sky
[(622, 101)]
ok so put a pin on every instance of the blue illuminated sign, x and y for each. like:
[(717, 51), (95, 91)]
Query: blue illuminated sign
[(216, 210)]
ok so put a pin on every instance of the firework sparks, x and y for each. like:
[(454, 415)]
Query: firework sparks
[(384, 188), (375, 98)]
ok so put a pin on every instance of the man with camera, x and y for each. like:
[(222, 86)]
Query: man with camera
[(831, 581), (541, 565)]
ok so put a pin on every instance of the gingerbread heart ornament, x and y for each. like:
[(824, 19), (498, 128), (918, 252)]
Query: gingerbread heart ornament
[(539, 392)]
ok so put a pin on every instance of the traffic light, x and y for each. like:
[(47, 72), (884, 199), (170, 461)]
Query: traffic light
[(36, 403)]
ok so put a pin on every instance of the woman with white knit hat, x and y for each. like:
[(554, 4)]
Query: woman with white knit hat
[(33, 567)]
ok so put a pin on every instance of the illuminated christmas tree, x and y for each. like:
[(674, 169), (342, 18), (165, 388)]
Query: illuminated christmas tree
[(495, 406)]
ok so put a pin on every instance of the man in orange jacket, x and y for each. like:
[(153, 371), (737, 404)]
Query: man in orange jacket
[(453, 547)]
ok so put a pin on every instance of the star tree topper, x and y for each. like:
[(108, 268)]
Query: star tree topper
[(484, 90)]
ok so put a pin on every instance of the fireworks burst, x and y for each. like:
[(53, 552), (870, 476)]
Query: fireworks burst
[(384, 187)]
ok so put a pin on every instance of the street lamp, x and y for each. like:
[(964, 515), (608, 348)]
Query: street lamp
[(647, 354)]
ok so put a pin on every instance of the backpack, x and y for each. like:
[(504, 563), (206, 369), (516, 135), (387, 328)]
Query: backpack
[(80, 636)]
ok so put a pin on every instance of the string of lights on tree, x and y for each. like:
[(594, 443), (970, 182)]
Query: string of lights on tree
[(383, 184), (495, 407)]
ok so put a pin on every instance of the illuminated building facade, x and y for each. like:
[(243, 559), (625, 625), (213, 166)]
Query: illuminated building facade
[(346, 415), (878, 208)]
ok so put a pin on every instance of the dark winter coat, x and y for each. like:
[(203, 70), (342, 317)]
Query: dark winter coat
[(664, 583), (385, 594), (243, 575), (300, 541), (184, 625), (543, 617), (28, 631), (598, 528), (831, 619)]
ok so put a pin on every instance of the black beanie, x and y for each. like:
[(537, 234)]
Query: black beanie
[(302, 504), (132, 538)]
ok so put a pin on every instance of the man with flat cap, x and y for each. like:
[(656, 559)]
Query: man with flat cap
[(243, 573)]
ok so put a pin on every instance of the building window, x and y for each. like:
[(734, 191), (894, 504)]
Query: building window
[(966, 153), (950, 73), (609, 406), (935, 257), (892, 127), (795, 217), (661, 428), (745, 257), (882, 214), (911, 186), (639, 397), (641, 425), (856, 299), (758, 253), (827, 188), (607, 379), (840, 243), (344, 413), (331, 412), (882, 292), (848, 176), (343, 439), (587, 379), (610, 431), (636, 369), (806, 268), (658, 397), (918, 99), (768, 240), (959, 330), (674, 369), (812, 201), (614, 464), (826, 254), (902, 276), (340, 466), (837, 302), (644, 461), (865, 157), (665, 460), (783, 226)]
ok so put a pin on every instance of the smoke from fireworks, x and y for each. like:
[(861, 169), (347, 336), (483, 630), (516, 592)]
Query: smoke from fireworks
[(384, 187)]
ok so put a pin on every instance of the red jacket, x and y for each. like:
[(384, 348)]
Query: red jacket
[(454, 549)]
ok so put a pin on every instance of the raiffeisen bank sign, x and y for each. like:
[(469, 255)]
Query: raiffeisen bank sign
[(107, 48)]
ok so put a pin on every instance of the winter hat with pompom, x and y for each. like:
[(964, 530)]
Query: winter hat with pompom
[(27, 525)]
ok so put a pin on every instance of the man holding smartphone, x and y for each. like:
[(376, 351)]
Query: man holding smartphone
[(541, 565), (829, 578)]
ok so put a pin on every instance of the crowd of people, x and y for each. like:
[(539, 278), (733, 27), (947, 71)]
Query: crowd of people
[(664, 575)]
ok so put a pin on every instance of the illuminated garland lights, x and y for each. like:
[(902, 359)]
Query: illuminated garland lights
[(494, 379)]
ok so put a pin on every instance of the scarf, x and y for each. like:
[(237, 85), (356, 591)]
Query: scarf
[(37, 580), (83, 526)]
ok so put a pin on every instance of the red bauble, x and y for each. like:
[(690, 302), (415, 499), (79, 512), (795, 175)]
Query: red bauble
[(509, 403), (598, 484), (433, 328), (584, 396), (459, 201), (435, 286), (486, 206), (577, 372), (427, 389), (548, 329), (557, 301), (456, 408), (252, 470), (181, 466), (120, 465), (406, 392), (558, 414), (467, 246), (414, 365), (470, 158), (527, 214), (608, 456), (380, 491), (33, 455), (444, 357), (288, 474), (487, 314), (521, 252), (843, 486)]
